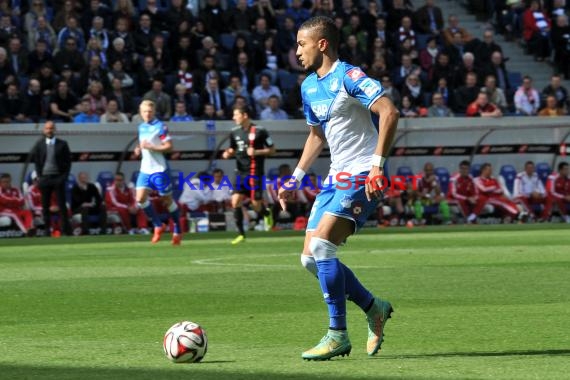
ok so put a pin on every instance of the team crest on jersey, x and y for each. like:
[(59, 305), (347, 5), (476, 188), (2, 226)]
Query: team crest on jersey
[(346, 201), (334, 85), (355, 74)]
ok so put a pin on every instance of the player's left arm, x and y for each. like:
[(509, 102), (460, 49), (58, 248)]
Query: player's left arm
[(165, 145), (388, 116), (269, 147)]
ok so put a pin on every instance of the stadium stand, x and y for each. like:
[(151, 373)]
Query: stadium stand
[(104, 179), (543, 170), (509, 173)]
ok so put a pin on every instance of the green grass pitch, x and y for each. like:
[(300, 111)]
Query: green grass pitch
[(470, 303)]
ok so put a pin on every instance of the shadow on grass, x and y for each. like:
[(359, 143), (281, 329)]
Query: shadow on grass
[(480, 354), (181, 371)]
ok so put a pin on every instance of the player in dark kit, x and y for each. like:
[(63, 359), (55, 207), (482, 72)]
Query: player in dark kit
[(250, 144)]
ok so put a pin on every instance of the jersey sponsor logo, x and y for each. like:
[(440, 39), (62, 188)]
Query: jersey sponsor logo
[(269, 141), (355, 74), (334, 85), (321, 108), (312, 90), (369, 87)]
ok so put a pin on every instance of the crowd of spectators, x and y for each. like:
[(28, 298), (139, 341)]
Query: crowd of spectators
[(93, 61)]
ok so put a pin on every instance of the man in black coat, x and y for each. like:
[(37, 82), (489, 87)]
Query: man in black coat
[(87, 201), (429, 18), (52, 159)]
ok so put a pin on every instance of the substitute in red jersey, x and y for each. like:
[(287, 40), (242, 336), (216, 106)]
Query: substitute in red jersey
[(462, 190), (429, 194), (558, 192), (482, 107), (529, 190), (12, 204), (34, 199), (491, 191), (121, 199)]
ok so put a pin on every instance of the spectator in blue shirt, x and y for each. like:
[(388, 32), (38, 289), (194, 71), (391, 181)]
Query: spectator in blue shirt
[(85, 115), (71, 30), (273, 112), (180, 113)]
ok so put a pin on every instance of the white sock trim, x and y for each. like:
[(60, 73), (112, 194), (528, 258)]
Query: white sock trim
[(173, 207), (322, 249), (309, 263)]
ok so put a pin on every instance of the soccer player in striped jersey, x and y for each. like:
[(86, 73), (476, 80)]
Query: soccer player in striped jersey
[(154, 143), (338, 99)]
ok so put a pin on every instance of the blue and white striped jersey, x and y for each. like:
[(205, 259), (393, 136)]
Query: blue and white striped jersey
[(340, 103), (155, 132)]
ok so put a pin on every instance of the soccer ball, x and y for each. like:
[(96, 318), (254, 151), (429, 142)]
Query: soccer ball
[(185, 342)]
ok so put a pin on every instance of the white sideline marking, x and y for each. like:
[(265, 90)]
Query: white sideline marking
[(216, 262)]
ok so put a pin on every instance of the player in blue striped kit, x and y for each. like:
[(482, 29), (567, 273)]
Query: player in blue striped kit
[(154, 143), (338, 99)]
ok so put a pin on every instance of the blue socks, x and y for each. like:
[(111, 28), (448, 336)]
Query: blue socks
[(175, 215), (337, 281), (355, 291), (149, 211), (331, 278)]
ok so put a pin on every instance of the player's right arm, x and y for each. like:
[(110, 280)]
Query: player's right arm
[(231, 151), (313, 148)]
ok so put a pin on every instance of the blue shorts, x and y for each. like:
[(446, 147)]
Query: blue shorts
[(343, 200), (159, 181)]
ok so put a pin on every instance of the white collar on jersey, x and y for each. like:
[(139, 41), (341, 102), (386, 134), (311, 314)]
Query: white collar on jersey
[(333, 67)]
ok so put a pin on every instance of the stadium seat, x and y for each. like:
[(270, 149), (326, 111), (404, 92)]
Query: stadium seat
[(509, 173), (225, 77), (475, 170), (175, 182), (543, 170), (404, 171), (227, 41), (134, 177), (421, 41), (71, 181), (104, 179), (515, 79), (443, 176), (273, 173), (287, 81), (196, 106), (27, 183)]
